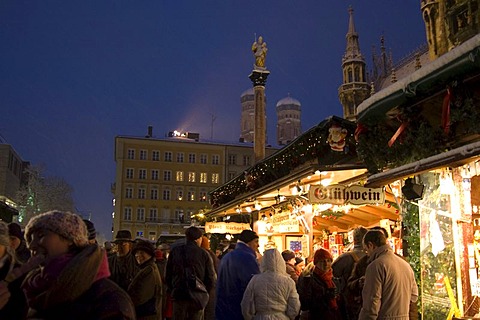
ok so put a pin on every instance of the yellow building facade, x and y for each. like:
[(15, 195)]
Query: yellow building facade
[(161, 183)]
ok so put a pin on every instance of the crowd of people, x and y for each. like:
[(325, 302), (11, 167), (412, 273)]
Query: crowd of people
[(55, 269)]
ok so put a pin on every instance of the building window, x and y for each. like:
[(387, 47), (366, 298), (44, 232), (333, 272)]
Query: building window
[(167, 175), (131, 154), (166, 194), (232, 159), (180, 156), (215, 159), (140, 214), (129, 193), (142, 174), (154, 174), (179, 195), (143, 154), (154, 194), (246, 160), (141, 193), (179, 215), (191, 177), (127, 214), (156, 155), (179, 176), (203, 177), (231, 175), (191, 195), (139, 234), (129, 174), (167, 156), (166, 213), (203, 196), (153, 215), (215, 178), (152, 235), (191, 157), (203, 158)]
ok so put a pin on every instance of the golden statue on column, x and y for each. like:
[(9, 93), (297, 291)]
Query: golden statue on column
[(259, 48)]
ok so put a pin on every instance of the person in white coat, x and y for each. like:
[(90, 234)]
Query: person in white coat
[(271, 294)]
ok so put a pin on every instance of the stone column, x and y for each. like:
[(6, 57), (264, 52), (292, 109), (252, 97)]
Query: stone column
[(259, 79)]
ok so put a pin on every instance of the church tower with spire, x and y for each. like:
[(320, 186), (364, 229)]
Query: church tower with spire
[(354, 88)]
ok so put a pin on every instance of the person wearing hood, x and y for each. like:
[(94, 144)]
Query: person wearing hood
[(72, 280), (271, 294), (146, 289)]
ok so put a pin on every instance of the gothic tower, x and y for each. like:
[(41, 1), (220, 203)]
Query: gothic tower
[(247, 119), (449, 23), (355, 87), (289, 124)]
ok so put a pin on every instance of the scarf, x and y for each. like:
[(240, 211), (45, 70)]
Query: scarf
[(65, 278), (327, 278)]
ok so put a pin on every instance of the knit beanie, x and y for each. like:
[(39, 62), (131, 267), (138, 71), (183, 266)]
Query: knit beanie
[(66, 224), (14, 230), (288, 255), (4, 239), (247, 236), (321, 254), (92, 233)]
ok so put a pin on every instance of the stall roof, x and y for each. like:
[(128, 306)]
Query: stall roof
[(305, 162)]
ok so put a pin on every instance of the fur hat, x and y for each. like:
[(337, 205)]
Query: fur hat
[(144, 245), (14, 230), (288, 255), (4, 239), (92, 233), (66, 224), (247, 236), (123, 235), (321, 254)]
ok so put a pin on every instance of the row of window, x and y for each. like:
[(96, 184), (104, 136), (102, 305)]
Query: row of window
[(168, 156), (152, 215), (167, 175), (180, 157), (167, 194)]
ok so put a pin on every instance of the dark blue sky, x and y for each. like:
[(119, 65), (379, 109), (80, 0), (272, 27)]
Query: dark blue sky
[(74, 74)]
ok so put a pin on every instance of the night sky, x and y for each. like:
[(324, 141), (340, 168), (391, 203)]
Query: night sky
[(74, 74)]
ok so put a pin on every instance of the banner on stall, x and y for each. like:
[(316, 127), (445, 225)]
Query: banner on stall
[(226, 227), (283, 223), (339, 195)]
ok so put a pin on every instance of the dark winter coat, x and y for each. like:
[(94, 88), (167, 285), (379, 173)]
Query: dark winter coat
[(16, 307), (314, 298), (236, 270), (191, 255), (146, 292), (123, 269), (80, 291)]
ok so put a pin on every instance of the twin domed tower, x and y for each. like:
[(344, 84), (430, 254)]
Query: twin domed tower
[(288, 118)]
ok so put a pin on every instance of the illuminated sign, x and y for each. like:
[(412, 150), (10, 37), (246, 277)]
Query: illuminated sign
[(226, 227), (339, 194)]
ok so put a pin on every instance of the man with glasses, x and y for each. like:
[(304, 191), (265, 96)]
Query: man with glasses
[(123, 266)]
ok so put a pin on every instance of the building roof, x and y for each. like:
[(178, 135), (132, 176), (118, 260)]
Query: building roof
[(288, 101)]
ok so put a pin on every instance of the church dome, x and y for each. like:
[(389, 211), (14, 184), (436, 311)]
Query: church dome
[(288, 101), (248, 92)]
